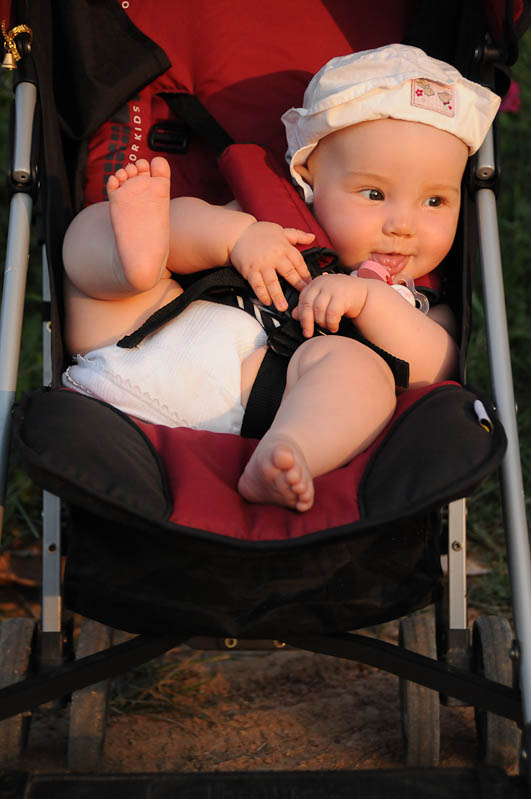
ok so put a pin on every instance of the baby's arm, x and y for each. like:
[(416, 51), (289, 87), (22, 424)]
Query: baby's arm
[(385, 319), (113, 256), (124, 247), (204, 236)]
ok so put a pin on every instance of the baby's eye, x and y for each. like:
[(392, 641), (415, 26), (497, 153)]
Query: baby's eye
[(372, 194), (434, 202)]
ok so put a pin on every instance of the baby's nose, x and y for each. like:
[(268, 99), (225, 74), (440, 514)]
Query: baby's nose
[(399, 222)]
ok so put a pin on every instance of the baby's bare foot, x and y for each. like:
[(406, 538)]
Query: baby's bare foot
[(139, 200), (278, 474)]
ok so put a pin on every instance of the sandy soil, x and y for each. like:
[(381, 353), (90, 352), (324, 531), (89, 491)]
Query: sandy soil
[(286, 710)]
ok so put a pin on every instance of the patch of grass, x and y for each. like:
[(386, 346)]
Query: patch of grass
[(162, 685)]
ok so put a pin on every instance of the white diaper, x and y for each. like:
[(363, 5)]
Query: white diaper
[(186, 374)]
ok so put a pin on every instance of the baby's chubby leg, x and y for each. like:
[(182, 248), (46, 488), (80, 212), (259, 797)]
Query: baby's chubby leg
[(339, 396), (120, 247)]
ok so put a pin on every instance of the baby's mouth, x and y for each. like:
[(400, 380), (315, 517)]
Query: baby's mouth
[(393, 261)]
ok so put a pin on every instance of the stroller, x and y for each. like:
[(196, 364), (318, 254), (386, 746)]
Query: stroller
[(100, 82)]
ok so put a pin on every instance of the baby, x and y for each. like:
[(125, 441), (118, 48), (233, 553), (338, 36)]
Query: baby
[(379, 148)]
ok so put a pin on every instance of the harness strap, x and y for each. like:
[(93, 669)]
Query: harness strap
[(283, 338), (214, 281), (189, 108), (266, 395), (213, 285)]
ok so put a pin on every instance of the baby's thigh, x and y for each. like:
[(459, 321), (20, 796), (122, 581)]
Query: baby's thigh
[(348, 360)]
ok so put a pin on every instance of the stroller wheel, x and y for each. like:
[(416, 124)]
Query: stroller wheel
[(419, 706), (16, 642), (499, 738), (88, 710)]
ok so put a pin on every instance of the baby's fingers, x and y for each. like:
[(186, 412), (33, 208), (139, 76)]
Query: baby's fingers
[(318, 308), (294, 269), (268, 290), (295, 272), (296, 236), (332, 315), (304, 312)]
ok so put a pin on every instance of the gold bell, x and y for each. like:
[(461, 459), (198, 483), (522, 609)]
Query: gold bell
[(12, 55), (9, 61)]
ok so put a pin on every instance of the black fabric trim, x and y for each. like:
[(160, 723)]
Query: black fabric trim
[(124, 471), (384, 468)]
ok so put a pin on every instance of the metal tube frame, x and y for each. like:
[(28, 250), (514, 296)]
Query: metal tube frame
[(514, 512), (11, 317), (16, 271), (51, 504), (11, 320), (457, 588)]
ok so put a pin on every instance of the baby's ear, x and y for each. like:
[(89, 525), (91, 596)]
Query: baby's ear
[(305, 174)]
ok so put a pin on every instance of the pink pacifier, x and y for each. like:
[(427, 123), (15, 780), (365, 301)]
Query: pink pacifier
[(403, 283), (372, 270)]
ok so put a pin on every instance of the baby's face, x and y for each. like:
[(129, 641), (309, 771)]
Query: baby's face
[(388, 191)]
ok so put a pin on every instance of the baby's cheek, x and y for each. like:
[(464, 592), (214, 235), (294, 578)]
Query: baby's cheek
[(344, 228), (444, 242), (436, 242)]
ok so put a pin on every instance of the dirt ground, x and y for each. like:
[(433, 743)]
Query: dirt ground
[(282, 710), (195, 711)]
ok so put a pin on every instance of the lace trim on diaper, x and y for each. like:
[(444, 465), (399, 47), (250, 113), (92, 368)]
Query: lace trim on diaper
[(153, 406)]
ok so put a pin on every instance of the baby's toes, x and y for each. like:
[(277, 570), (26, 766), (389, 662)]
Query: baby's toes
[(112, 184), (121, 175), (304, 492), (131, 170), (294, 476), (283, 458), (303, 505), (279, 482), (160, 168), (142, 166), (301, 489)]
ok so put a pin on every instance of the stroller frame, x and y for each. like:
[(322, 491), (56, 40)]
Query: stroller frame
[(55, 682)]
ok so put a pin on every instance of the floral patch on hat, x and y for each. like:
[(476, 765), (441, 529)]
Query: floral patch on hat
[(433, 96)]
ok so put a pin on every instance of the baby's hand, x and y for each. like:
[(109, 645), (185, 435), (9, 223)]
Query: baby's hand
[(327, 299), (266, 250)]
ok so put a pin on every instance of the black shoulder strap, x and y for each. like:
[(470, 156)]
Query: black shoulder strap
[(214, 281), (191, 111)]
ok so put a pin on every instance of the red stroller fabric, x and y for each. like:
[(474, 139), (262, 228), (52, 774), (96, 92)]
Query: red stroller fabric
[(246, 94)]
